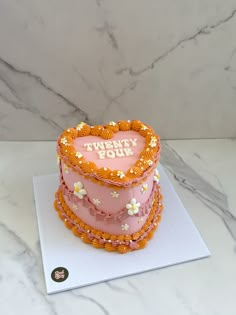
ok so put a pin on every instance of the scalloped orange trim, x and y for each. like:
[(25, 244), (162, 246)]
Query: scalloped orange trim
[(96, 130), (113, 126), (106, 133), (106, 175), (124, 125), (120, 247), (146, 160)]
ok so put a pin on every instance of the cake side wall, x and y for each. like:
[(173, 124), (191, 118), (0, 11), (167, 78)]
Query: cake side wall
[(108, 200)]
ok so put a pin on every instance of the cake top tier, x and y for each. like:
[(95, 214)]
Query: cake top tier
[(120, 153)]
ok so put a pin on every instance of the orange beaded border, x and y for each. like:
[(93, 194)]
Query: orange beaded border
[(113, 186), (72, 222), (147, 161)]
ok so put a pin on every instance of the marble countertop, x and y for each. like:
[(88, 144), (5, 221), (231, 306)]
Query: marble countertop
[(202, 172), (96, 60)]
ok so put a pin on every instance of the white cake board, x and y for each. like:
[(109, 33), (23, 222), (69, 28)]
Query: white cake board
[(176, 241)]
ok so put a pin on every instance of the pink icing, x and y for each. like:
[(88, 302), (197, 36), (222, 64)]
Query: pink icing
[(110, 215), (132, 244), (100, 214), (124, 162), (134, 223), (103, 193), (109, 205)]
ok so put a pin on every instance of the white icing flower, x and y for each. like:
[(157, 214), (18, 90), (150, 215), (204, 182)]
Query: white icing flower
[(96, 201), (149, 162), (144, 188), (120, 174), (64, 141), (144, 127), (156, 176), (58, 159), (153, 142), (74, 206), (140, 219), (124, 227), (66, 169), (133, 207), (115, 194), (78, 155), (112, 123), (80, 125), (79, 191)]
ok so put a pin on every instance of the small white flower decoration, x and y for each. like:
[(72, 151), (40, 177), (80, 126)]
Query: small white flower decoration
[(96, 201), (153, 142), (157, 176), (133, 207), (140, 219), (144, 127), (115, 194), (74, 206), (112, 123), (149, 162), (58, 159), (144, 188), (80, 125), (66, 168), (125, 227), (79, 191), (64, 140), (120, 174), (78, 155)]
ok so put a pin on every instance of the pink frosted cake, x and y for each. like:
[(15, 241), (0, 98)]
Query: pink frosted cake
[(109, 193)]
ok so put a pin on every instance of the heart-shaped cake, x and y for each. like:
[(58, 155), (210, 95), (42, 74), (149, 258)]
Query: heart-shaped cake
[(109, 193)]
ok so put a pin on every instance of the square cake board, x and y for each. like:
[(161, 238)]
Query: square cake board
[(176, 241)]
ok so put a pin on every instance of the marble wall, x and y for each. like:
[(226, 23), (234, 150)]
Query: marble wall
[(169, 63)]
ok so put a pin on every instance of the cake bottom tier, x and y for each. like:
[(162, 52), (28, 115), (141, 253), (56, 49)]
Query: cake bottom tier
[(111, 242)]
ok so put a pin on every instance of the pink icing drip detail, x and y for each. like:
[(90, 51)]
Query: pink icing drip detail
[(101, 215), (132, 244)]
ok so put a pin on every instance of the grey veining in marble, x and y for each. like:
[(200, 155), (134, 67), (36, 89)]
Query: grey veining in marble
[(17, 92), (169, 64), (207, 29), (25, 274), (205, 181), (215, 199)]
